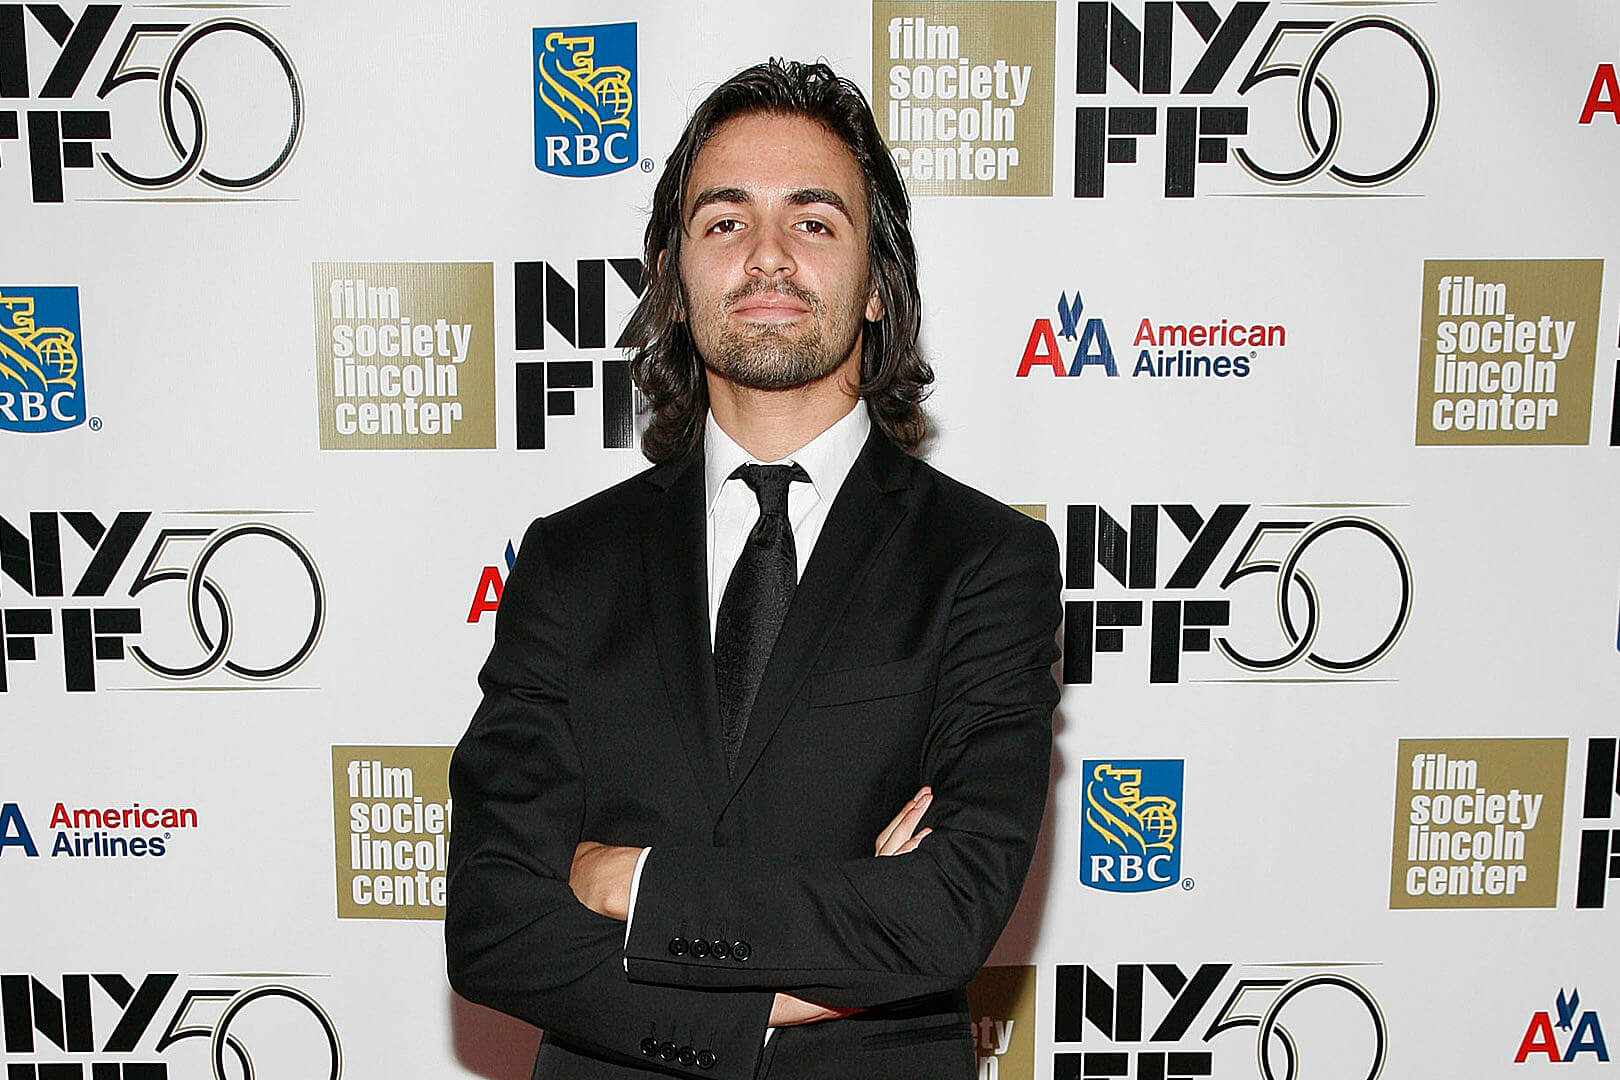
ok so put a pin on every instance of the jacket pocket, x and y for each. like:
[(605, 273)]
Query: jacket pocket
[(894, 679), (885, 1040)]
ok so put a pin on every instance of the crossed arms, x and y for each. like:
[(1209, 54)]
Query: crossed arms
[(844, 933), (603, 876)]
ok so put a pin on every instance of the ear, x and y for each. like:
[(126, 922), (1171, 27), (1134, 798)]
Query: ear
[(874, 306)]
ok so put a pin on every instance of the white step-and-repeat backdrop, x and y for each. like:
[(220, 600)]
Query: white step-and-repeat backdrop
[(1288, 318)]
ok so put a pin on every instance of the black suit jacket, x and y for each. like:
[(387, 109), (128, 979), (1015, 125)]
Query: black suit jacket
[(918, 649)]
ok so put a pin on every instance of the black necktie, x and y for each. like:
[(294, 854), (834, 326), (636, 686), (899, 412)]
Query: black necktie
[(755, 601)]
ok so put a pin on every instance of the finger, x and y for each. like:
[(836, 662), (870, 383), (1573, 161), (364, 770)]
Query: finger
[(884, 836), (904, 821), (911, 845), (907, 825)]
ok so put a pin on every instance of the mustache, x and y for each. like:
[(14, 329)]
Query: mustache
[(785, 288)]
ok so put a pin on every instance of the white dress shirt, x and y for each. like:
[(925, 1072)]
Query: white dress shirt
[(733, 508)]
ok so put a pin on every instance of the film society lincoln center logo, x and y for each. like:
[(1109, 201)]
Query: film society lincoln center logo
[(1002, 1001), (391, 820), (405, 355), (1509, 350), (1477, 823), (963, 94)]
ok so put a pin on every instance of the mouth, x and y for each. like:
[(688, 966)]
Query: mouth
[(783, 304), (770, 308)]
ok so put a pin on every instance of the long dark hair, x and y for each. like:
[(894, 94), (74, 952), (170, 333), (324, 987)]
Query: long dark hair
[(664, 361)]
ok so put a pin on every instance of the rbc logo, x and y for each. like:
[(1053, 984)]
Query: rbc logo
[(41, 381), (585, 99), (1130, 837)]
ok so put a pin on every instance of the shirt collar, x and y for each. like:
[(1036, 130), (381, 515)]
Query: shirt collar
[(827, 458)]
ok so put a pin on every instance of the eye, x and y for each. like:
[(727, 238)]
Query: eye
[(724, 226), (815, 228)]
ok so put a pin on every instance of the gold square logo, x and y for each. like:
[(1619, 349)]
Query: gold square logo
[(1477, 823), (391, 822), (963, 94), (405, 355), (1002, 1000), (1509, 351)]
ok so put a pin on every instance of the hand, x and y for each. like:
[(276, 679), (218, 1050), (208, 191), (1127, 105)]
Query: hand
[(897, 839), (790, 1011), (600, 876)]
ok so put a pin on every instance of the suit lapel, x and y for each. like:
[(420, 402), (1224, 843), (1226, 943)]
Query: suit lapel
[(859, 523), (674, 549)]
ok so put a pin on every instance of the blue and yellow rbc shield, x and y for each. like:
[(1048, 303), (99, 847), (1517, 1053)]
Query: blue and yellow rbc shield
[(585, 99), (41, 358), (1130, 829)]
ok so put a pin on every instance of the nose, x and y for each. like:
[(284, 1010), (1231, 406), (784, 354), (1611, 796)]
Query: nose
[(770, 256)]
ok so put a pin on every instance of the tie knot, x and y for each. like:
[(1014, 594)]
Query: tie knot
[(770, 484)]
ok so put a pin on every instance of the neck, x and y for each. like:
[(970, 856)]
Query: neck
[(772, 424)]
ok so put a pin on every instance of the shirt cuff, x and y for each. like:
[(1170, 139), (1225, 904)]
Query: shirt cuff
[(635, 887)]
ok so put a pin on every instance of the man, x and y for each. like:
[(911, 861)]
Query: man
[(663, 850)]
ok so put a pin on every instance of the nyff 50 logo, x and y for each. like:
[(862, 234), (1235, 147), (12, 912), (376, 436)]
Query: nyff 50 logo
[(1600, 840), (579, 313), (223, 66), (221, 605), (108, 1026), (1162, 1022), (1354, 101), (1314, 584)]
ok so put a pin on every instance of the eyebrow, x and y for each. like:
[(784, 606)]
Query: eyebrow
[(710, 196), (801, 197), (806, 196)]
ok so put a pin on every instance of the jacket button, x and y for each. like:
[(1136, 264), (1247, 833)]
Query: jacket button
[(649, 1046), (667, 1051), (700, 948), (677, 946), (688, 1056), (706, 1059), (720, 949), (740, 950)]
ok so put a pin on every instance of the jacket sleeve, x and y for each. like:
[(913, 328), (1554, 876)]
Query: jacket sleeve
[(516, 938), (861, 932)]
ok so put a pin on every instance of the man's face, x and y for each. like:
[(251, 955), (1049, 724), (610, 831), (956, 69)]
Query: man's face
[(773, 265)]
